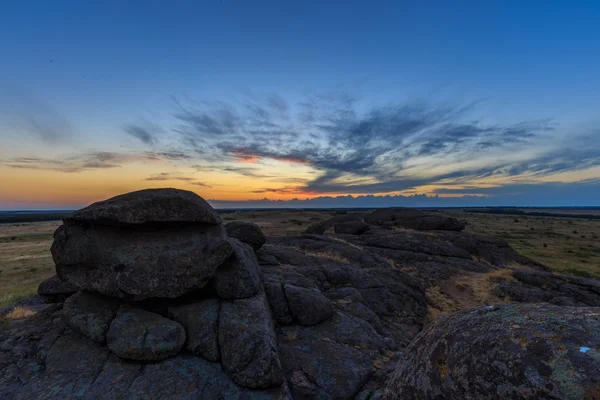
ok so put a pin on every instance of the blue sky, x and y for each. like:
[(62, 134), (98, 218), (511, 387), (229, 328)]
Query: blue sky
[(497, 99)]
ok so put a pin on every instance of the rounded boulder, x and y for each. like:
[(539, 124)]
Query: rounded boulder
[(137, 334), (246, 232)]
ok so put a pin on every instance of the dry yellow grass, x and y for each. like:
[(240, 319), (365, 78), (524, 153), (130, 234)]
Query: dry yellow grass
[(467, 290), (19, 313), (325, 254)]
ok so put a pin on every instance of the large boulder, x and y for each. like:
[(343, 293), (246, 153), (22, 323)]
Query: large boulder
[(510, 350), (246, 232), (413, 219), (120, 249), (149, 206), (307, 304), (137, 264), (90, 314), (137, 334)]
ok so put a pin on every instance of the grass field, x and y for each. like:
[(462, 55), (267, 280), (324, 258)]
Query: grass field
[(568, 245)]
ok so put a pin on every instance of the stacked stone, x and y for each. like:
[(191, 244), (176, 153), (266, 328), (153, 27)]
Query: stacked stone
[(155, 274)]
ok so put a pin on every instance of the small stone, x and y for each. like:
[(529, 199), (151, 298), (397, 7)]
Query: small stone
[(351, 227), (90, 314), (278, 302), (55, 290), (238, 277), (246, 232), (136, 334), (308, 305), (200, 322)]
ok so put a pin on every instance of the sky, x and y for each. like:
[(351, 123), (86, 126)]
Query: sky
[(301, 103)]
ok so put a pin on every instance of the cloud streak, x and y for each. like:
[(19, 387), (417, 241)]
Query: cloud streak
[(169, 176), (393, 147), (94, 160)]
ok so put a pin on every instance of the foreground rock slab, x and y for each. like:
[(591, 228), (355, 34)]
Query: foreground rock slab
[(512, 350)]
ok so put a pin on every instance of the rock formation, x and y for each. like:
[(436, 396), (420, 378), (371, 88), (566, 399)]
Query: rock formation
[(162, 301), (157, 281)]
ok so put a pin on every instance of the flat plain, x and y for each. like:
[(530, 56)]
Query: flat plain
[(567, 245)]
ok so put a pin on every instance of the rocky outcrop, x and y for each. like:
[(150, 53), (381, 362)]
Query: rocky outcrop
[(413, 219), (171, 306), (513, 351), (246, 232), (162, 284)]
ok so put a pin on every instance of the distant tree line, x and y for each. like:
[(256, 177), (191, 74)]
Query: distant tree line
[(508, 211), (33, 217)]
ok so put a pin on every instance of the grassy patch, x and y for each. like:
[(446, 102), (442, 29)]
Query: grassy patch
[(579, 272), (19, 312), (464, 291), (38, 237), (18, 293)]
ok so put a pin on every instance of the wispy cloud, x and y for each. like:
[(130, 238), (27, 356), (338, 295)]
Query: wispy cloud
[(94, 160), (175, 176), (36, 116), (284, 190)]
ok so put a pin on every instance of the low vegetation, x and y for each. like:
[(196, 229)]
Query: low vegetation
[(567, 245), (464, 291)]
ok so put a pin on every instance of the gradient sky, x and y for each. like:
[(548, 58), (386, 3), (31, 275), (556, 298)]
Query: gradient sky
[(421, 103)]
